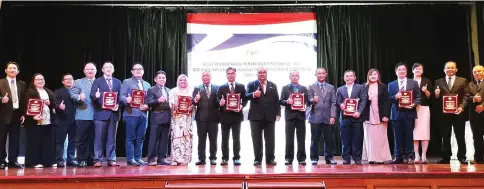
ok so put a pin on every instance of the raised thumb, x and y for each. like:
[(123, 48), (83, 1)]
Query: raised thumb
[(97, 89), (62, 102), (223, 97), (437, 87), (6, 94)]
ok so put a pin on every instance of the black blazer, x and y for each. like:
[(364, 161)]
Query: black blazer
[(231, 116), (473, 90), (358, 92), (160, 111), (460, 87), (33, 93), (207, 108), (383, 103), (6, 110), (68, 115), (285, 94), (424, 100), (267, 106)]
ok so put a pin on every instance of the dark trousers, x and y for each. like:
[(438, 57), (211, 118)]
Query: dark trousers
[(235, 127), (352, 139), (316, 129), (105, 138), (256, 129), (300, 127), (85, 140), (158, 142), (61, 132), (12, 130), (403, 138), (203, 129), (40, 145), (477, 123), (449, 120), (135, 136)]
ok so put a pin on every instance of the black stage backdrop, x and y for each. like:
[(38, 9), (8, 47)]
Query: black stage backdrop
[(57, 39)]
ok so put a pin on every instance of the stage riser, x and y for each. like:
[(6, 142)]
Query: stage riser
[(273, 183)]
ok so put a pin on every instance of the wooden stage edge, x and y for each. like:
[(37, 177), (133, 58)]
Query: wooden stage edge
[(336, 179)]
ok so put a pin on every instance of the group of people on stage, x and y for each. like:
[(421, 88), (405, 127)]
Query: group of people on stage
[(78, 110)]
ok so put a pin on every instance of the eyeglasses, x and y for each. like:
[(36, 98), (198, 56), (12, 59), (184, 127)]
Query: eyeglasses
[(68, 79), (138, 69), (39, 79)]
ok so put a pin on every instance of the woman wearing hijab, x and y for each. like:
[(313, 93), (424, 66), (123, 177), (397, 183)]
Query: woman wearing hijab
[(40, 150), (421, 132), (181, 124), (375, 147)]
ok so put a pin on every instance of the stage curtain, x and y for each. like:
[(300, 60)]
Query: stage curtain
[(364, 37)]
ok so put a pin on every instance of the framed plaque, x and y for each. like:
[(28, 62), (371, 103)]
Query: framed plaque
[(297, 101), (110, 100), (450, 103), (35, 107), (406, 99), (351, 106), (232, 101), (137, 98), (184, 105)]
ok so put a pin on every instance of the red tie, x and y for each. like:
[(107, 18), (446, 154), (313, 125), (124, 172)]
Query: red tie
[(262, 87)]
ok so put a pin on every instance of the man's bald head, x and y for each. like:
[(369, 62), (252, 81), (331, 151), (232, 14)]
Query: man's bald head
[(478, 72), (262, 74)]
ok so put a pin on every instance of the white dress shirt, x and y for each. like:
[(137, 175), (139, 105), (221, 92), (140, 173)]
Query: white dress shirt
[(350, 89), (15, 104)]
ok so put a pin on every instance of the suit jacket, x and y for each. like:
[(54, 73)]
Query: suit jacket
[(84, 109), (208, 106), (460, 87), (325, 108), (289, 114), (231, 116), (358, 92), (393, 90), (6, 110), (129, 85), (66, 116), (383, 103), (424, 100), (473, 90), (102, 84), (32, 93), (160, 111), (267, 106)]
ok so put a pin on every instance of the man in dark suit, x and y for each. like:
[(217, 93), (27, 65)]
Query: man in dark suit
[(12, 110), (452, 85), (207, 117), (65, 123), (231, 119), (295, 119), (264, 111), (160, 120), (403, 117), (476, 108), (351, 126), (105, 118), (322, 97)]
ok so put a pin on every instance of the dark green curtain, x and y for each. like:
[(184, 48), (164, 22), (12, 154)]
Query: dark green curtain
[(364, 37), (56, 39)]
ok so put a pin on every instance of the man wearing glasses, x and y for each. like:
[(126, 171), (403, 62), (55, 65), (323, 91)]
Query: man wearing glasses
[(135, 118)]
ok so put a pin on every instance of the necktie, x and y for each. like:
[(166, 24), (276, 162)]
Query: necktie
[(232, 90), (13, 89), (449, 83), (90, 82), (295, 89), (262, 87), (207, 91), (479, 83), (140, 85), (163, 92), (110, 84), (402, 87)]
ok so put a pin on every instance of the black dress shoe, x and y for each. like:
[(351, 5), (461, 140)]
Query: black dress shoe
[(314, 162), (163, 161), (141, 162), (287, 162), (133, 163), (15, 165), (237, 162), (82, 164), (2, 166), (357, 162), (443, 161), (200, 162), (346, 162), (463, 161), (256, 163), (272, 162), (397, 161), (213, 162), (61, 164), (225, 162), (302, 162), (72, 163), (371, 162), (331, 162)]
